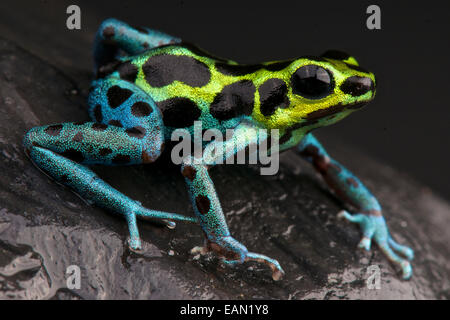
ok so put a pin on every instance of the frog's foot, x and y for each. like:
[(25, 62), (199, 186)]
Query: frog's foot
[(159, 217), (233, 252), (163, 218), (375, 228)]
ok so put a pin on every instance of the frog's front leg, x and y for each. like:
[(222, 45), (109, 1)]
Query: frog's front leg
[(351, 190), (206, 202), (133, 136), (114, 35)]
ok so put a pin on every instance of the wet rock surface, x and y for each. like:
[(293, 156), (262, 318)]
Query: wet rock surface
[(45, 228)]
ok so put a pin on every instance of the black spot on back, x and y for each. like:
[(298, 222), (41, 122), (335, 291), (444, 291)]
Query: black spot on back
[(162, 70), (179, 112), (117, 95), (127, 71), (273, 95), (237, 69), (53, 130), (243, 69), (234, 100)]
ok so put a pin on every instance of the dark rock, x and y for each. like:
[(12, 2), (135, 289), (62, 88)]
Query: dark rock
[(44, 228)]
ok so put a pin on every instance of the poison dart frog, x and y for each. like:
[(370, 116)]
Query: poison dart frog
[(149, 83)]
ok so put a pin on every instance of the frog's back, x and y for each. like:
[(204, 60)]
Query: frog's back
[(189, 84)]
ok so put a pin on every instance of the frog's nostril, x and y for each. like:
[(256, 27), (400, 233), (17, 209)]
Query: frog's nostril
[(357, 86)]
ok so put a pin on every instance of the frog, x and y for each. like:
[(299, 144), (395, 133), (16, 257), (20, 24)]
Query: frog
[(148, 83)]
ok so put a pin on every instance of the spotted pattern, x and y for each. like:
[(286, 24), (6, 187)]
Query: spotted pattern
[(179, 112), (234, 100), (162, 70), (273, 95), (203, 204), (117, 95), (141, 109), (136, 132), (242, 69)]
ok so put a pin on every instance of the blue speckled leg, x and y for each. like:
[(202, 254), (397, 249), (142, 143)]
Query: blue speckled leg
[(114, 35), (125, 133), (207, 205), (351, 190)]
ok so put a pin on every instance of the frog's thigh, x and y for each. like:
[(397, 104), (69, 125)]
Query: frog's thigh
[(114, 34), (128, 129), (132, 117)]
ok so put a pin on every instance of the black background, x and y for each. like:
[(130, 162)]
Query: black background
[(407, 124)]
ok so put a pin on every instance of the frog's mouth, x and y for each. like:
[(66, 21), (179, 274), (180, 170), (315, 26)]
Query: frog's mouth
[(322, 113)]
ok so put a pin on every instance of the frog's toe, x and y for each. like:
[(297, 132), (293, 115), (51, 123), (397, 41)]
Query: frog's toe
[(277, 271), (405, 251), (350, 217), (403, 264), (134, 243), (365, 243)]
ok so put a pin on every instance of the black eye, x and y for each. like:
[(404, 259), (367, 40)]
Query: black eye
[(312, 82)]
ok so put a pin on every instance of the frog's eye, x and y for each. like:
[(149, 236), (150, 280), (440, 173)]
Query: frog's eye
[(312, 82), (340, 55)]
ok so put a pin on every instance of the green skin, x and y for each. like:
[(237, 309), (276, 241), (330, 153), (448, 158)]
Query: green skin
[(162, 84)]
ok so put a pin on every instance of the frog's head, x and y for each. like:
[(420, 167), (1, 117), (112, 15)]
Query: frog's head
[(323, 90)]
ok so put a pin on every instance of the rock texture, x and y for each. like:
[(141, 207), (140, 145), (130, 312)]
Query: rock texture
[(45, 228)]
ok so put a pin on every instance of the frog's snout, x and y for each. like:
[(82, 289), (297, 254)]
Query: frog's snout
[(357, 86)]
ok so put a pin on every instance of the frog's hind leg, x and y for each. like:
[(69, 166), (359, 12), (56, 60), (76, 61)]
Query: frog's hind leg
[(114, 35), (206, 203), (63, 150)]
